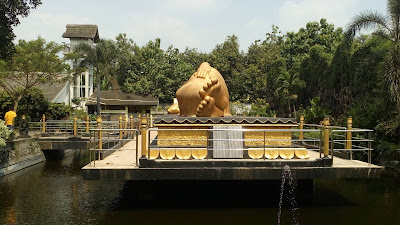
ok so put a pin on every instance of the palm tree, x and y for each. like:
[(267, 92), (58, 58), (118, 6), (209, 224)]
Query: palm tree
[(102, 57), (388, 28), (288, 82)]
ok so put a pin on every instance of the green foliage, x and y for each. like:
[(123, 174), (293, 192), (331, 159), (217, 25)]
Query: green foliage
[(33, 104), (5, 133), (315, 113), (58, 111), (33, 63), (76, 100), (387, 28), (80, 114), (10, 13), (260, 108)]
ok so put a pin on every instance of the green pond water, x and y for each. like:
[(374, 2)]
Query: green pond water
[(54, 192)]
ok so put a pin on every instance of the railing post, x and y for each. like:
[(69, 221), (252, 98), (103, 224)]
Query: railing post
[(120, 127), (349, 136), (125, 125), (301, 135), (131, 123), (139, 121), (326, 137), (87, 123), (43, 124), (151, 120), (100, 134), (144, 139), (75, 125)]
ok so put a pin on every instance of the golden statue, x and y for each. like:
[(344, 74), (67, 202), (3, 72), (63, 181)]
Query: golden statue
[(204, 95)]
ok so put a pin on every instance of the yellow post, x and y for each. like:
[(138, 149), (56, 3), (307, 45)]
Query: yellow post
[(100, 134), (326, 137), (144, 138), (131, 123), (151, 120), (125, 124), (274, 115), (301, 136), (87, 124), (349, 136), (120, 127), (43, 123), (75, 125), (139, 121)]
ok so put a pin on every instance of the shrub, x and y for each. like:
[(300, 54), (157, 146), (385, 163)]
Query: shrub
[(5, 133)]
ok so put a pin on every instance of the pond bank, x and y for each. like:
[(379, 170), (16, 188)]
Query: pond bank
[(18, 154)]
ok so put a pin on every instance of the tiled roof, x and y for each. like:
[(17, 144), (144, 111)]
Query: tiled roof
[(82, 31), (175, 119), (115, 97)]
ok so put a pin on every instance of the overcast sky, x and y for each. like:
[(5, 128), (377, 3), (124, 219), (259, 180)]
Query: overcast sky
[(200, 24)]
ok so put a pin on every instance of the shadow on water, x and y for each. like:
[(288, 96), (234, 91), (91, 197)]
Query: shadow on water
[(218, 194), (55, 193)]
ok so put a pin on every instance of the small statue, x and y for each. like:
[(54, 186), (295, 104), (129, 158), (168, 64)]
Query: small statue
[(23, 128), (205, 94)]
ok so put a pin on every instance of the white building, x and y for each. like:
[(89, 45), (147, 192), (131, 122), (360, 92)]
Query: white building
[(81, 88)]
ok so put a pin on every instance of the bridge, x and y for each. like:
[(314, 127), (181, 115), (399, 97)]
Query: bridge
[(312, 151), (57, 136)]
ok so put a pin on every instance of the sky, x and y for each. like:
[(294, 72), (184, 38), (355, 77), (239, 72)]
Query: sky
[(200, 24)]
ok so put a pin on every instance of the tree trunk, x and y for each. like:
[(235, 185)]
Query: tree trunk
[(16, 102), (98, 93)]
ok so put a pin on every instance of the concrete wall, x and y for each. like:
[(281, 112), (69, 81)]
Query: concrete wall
[(19, 154)]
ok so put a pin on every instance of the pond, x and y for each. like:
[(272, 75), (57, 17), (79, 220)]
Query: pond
[(55, 193)]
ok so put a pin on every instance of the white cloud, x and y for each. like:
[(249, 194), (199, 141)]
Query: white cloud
[(189, 4), (39, 24), (171, 30), (295, 14)]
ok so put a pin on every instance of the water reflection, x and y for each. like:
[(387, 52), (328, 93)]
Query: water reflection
[(55, 193)]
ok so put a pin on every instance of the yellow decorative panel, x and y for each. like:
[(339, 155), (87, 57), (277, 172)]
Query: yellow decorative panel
[(275, 138), (271, 153), (286, 153), (256, 153), (200, 153), (182, 137), (301, 153)]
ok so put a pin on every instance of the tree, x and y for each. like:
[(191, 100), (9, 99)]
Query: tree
[(102, 57), (288, 83), (10, 11), (386, 27), (34, 62)]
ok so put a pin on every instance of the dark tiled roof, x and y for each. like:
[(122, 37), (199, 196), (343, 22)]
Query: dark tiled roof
[(115, 97), (82, 31), (175, 119), (50, 89)]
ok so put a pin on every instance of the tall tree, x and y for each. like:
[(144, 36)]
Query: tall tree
[(387, 27), (10, 11), (102, 57), (288, 83), (34, 62)]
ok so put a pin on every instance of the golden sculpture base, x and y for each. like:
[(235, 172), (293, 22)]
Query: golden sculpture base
[(190, 137)]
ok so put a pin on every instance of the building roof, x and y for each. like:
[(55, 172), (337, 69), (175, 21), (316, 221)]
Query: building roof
[(116, 97), (175, 119), (50, 89), (82, 31)]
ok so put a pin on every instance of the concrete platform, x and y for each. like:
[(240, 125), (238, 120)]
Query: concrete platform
[(121, 165)]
